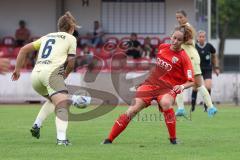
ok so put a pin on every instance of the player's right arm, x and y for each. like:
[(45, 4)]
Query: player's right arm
[(71, 57), (70, 66), (28, 48)]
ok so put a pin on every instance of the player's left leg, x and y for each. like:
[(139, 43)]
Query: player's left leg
[(180, 104), (208, 83), (46, 110), (166, 103), (205, 94), (47, 107)]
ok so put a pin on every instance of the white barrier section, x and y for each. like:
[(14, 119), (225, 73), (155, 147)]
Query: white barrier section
[(226, 87), (17, 91)]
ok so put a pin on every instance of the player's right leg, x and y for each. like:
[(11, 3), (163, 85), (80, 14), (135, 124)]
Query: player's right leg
[(62, 103), (122, 122), (166, 103)]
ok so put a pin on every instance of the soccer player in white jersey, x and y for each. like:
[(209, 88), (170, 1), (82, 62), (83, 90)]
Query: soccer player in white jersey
[(49, 73), (191, 51)]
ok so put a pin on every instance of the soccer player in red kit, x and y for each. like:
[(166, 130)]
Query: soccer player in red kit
[(172, 74)]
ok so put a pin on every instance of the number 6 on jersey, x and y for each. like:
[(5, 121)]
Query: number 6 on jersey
[(48, 48)]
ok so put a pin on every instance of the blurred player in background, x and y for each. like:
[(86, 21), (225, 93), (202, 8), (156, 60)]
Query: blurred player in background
[(48, 74), (209, 63), (4, 65), (22, 34), (191, 51), (171, 75)]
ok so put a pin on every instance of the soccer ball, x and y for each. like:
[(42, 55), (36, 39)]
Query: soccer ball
[(81, 101)]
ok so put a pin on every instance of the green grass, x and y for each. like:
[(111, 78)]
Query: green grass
[(145, 138)]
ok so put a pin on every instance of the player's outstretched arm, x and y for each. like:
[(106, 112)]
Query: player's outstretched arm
[(21, 59), (180, 88)]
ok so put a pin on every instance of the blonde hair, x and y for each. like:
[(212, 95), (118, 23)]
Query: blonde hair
[(187, 32), (66, 22)]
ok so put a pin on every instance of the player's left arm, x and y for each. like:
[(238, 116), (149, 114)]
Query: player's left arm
[(215, 61), (71, 57)]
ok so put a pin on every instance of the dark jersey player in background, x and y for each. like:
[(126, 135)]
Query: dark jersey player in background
[(209, 63)]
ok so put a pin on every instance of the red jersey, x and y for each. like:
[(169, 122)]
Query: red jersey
[(172, 68)]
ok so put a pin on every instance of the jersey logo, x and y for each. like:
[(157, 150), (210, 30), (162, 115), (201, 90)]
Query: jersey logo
[(207, 57), (164, 65), (189, 73), (174, 59)]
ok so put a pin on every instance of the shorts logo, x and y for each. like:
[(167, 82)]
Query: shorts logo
[(164, 65), (189, 73), (174, 59)]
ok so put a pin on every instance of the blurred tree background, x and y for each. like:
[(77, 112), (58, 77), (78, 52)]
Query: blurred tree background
[(225, 23)]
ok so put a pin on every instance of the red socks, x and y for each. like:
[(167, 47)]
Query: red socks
[(120, 124), (170, 121)]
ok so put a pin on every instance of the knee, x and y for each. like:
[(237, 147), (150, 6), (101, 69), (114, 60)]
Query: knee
[(165, 104), (62, 113), (132, 112)]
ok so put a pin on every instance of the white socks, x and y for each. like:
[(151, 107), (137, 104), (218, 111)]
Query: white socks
[(206, 96), (61, 123), (180, 101), (204, 93), (61, 114), (46, 109)]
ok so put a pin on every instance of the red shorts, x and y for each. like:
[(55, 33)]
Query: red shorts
[(148, 92)]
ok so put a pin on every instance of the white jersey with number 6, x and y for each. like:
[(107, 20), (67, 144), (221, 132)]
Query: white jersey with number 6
[(54, 49)]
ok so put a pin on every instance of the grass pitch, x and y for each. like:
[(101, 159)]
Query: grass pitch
[(145, 138)]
